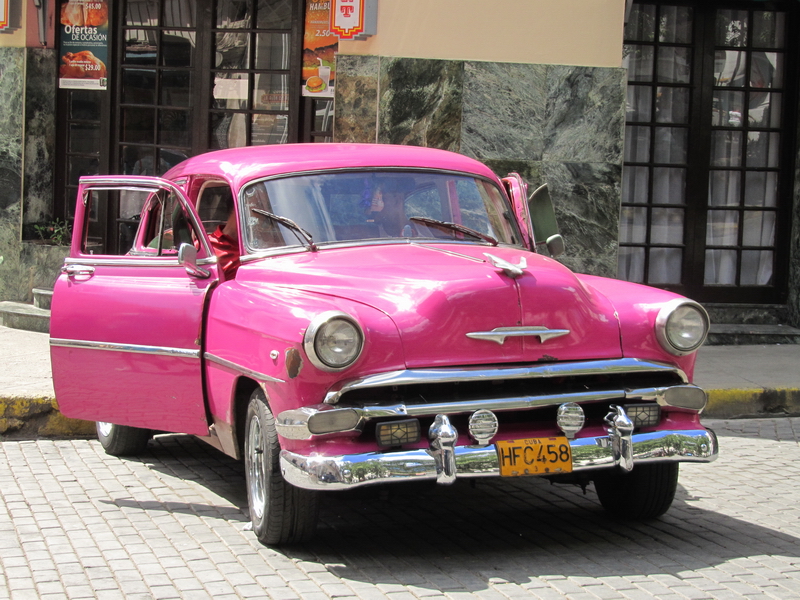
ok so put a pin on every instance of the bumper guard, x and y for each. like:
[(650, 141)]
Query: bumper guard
[(444, 461)]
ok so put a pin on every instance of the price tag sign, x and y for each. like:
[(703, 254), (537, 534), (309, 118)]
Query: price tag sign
[(84, 45)]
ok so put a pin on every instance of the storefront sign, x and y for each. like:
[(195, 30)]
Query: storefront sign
[(319, 51), (354, 19), (84, 45), (3, 14)]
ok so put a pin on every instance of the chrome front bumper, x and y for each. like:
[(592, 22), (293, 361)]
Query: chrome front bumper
[(445, 462)]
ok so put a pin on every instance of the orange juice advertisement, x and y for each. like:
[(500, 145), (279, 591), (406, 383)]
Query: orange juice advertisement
[(319, 51)]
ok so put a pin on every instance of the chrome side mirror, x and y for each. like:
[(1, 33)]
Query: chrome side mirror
[(187, 256), (555, 245), (543, 218)]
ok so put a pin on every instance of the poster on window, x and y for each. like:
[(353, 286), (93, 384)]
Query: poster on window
[(84, 45), (319, 51)]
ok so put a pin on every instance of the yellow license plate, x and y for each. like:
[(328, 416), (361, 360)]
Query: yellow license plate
[(534, 456)]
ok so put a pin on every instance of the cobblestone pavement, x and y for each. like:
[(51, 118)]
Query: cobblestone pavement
[(75, 523)]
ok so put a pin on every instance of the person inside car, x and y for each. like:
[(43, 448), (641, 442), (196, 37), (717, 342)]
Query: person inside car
[(387, 209), (225, 243)]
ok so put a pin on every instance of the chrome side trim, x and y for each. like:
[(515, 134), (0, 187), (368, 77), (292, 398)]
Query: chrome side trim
[(131, 348), (588, 454), (240, 369), (499, 334), (130, 261), (619, 366)]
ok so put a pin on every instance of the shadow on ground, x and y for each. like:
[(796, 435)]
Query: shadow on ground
[(462, 536)]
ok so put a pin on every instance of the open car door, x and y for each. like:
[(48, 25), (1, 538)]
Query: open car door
[(127, 328)]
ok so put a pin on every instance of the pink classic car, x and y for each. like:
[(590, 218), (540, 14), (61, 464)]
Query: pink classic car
[(347, 315)]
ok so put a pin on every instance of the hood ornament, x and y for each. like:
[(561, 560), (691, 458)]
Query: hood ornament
[(499, 334), (508, 268)]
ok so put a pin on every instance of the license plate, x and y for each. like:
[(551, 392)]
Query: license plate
[(534, 456)]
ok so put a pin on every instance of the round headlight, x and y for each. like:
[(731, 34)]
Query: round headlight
[(682, 326), (333, 341)]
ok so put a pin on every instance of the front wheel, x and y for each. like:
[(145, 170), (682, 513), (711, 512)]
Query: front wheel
[(121, 440), (281, 513), (646, 492)]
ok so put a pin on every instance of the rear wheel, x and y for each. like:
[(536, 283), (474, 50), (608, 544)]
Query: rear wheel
[(281, 513), (646, 492), (121, 440)]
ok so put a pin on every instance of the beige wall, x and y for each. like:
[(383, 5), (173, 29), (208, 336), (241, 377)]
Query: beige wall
[(14, 36), (564, 32)]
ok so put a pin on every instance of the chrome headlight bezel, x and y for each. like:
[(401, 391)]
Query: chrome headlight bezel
[(318, 328), (669, 332)]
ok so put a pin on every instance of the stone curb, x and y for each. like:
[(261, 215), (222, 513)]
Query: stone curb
[(38, 417)]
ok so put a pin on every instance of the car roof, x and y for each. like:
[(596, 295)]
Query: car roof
[(239, 165)]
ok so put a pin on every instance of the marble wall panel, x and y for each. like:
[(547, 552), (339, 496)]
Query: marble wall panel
[(420, 102), (40, 94), (586, 197), (12, 62), (356, 105), (561, 125), (11, 94), (504, 111), (585, 117), (29, 74)]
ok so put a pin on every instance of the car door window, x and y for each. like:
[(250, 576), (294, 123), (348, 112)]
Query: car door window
[(152, 222)]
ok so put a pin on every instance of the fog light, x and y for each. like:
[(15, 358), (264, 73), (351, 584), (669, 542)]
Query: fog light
[(483, 426), (643, 415), (570, 418), (397, 433), (686, 396), (330, 421)]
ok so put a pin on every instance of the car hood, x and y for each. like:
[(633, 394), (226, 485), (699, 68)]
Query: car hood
[(448, 301)]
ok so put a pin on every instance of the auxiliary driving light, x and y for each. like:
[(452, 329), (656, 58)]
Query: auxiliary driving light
[(331, 421), (686, 396), (570, 418), (483, 426), (643, 415), (397, 433)]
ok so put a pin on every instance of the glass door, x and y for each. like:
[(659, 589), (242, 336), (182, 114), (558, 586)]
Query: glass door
[(186, 76), (707, 182)]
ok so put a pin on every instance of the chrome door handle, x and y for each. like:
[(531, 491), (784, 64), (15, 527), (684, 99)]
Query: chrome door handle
[(73, 270)]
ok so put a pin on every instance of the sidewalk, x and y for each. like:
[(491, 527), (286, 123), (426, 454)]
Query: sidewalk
[(741, 381)]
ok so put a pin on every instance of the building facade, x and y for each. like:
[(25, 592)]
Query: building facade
[(666, 131)]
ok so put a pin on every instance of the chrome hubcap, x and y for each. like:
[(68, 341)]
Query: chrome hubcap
[(256, 469), (104, 428)]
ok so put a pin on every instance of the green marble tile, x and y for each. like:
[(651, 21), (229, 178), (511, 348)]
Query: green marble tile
[(585, 116), (504, 108), (420, 102), (356, 104)]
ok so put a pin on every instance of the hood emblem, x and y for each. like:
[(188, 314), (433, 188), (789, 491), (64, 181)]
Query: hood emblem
[(508, 268), (499, 334)]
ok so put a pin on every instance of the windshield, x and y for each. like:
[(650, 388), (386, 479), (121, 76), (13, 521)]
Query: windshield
[(353, 206)]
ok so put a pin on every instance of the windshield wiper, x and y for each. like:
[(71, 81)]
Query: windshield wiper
[(298, 231), (455, 227)]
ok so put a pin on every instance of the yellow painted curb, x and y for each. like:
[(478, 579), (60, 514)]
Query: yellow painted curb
[(39, 417), (758, 402)]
